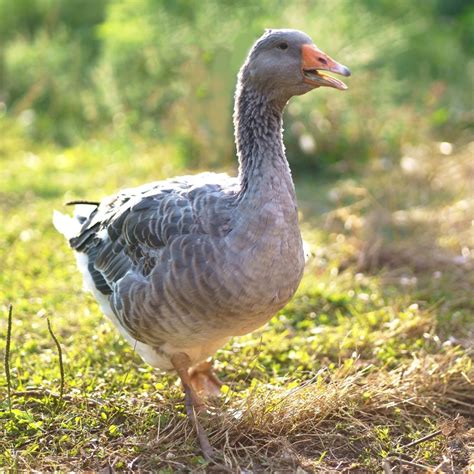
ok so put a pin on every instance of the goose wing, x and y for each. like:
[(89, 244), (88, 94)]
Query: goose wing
[(131, 230)]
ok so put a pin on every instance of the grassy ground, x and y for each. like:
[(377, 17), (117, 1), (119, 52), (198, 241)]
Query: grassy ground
[(372, 355)]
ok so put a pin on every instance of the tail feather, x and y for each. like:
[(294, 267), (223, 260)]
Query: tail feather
[(66, 225), (71, 226)]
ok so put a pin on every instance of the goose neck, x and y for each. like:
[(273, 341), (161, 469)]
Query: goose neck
[(258, 136)]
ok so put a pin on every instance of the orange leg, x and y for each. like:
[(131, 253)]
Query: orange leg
[(204, 380), (193, 402)]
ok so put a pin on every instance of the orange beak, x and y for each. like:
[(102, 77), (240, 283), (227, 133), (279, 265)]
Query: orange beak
[(313, 60)]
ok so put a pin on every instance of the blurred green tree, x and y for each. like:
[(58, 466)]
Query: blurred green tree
[(76, 69)]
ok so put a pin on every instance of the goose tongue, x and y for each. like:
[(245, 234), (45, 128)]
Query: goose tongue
[(313, 61)]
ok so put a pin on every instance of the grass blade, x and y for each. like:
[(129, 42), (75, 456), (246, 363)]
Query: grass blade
[(7, 356), (60, 356)]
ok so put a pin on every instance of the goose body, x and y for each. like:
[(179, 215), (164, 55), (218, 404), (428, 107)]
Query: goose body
[(177, 268), (182, 265)]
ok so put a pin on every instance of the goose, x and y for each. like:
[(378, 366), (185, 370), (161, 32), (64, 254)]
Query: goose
[(182, 265)]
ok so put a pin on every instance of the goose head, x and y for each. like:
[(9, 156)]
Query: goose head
[(284, 63)]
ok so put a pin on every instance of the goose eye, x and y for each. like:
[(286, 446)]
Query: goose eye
[(283, 46)]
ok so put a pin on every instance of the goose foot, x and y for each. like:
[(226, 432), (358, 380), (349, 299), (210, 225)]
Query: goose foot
[(204, 380), (193, 402)]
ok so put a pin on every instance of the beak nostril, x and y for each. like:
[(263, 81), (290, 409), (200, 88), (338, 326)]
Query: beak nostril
[(322, 60)]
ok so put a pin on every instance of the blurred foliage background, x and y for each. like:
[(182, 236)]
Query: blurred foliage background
[(116, 70), (96, 95)]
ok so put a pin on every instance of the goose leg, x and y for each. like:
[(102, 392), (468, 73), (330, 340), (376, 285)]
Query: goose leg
[(204, 380), (193, 402)]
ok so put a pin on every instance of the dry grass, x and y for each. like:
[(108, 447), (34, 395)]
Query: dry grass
[(357, 417), (328, 421), (415, 213)]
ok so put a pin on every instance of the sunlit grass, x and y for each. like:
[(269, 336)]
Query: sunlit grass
[(374, 352)]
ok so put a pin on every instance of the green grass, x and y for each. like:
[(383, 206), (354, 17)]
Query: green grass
[(373, 353)]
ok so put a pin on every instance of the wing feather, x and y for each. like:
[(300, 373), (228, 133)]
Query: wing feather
[(130, 232)]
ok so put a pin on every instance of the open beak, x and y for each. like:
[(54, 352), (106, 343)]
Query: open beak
[(313, 61)]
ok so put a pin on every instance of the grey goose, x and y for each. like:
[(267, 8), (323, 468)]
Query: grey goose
[(182, 265)]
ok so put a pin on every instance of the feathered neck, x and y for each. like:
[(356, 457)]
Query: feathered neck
[(259, 141)]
